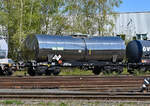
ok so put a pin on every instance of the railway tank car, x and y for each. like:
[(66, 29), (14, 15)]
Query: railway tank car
[(95, 53), (138, 55), (4, 67), (3, 48)]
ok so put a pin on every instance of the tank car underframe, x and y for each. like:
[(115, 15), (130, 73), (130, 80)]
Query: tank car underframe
[(42, 68), (5, 70), (97, 66), (54, 68), (140, 67)]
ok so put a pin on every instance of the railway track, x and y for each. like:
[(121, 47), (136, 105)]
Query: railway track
[(74, 87), (70, 82), (59, 94)]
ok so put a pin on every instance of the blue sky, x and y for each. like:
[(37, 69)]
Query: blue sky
[(134, 6)]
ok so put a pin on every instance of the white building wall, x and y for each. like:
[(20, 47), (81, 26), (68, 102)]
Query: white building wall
[(131, 24)]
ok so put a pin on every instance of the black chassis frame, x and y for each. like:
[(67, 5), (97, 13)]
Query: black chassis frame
[(138, 66), (95, 66)]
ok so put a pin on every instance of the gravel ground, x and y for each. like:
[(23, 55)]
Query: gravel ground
[(44, 102), (72, 103)]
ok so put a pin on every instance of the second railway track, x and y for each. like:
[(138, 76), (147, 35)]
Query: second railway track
[(59, 94)]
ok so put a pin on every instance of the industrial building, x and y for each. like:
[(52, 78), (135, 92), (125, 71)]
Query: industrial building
[(133, 24)]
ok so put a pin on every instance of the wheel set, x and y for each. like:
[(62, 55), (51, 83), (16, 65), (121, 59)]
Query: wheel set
[(6, 71), (38, 71)]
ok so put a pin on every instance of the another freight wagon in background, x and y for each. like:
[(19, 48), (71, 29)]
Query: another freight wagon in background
[(5, 63), (138, 55)]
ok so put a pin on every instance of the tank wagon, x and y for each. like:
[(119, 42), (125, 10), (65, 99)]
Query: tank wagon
[(3, 48), (4, 67), (138, 55), (50, 53)]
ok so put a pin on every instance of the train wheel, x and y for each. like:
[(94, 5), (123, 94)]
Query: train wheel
[(131, 71), (31, 72), (1, 72), (48, 72), (119, 70), (9, 72), (105, 72), (142, 69), (39, 73), (96, 72), (40, 70), (56, 71)]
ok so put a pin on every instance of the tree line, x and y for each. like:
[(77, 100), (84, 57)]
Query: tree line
[(56, 17)]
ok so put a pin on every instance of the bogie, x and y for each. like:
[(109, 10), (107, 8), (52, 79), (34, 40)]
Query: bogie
[(31, 71), (6, 71), (97, 70), (56, 71), (40, 70)]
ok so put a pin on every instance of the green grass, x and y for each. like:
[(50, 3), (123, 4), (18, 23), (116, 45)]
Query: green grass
[(19, 73), (8, 102), (63, 104), (75, 71), (47, 104), (125, 71)]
